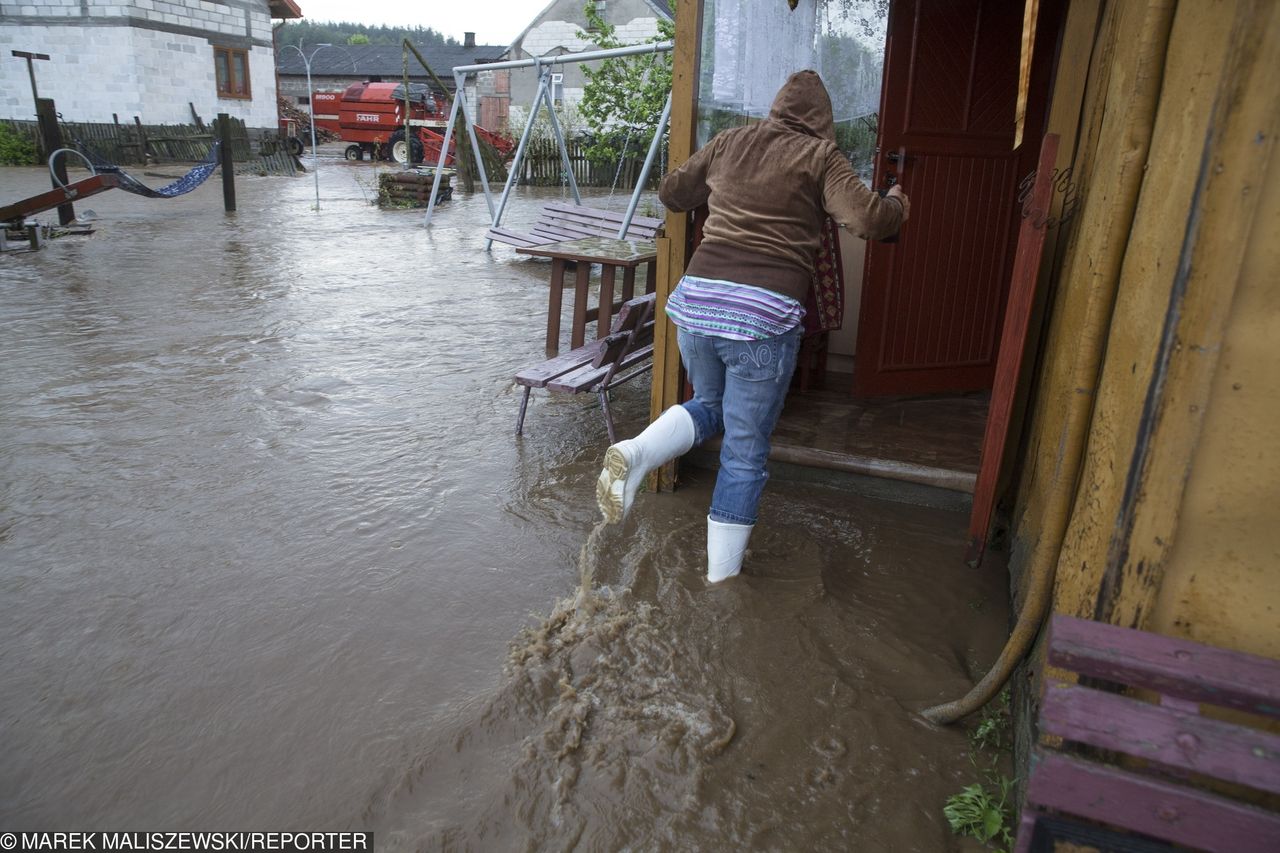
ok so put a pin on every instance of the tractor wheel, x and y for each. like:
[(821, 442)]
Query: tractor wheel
[(398, 148), (354, 152), (294, 144)]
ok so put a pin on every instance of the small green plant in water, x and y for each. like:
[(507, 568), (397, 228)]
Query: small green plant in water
[(982, 810), (981, 813), (993, 726)]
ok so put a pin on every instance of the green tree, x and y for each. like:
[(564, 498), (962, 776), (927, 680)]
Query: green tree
[(304, 32), (624, 96)]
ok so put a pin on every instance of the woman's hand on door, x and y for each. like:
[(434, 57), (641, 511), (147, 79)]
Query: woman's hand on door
[(896, 192)]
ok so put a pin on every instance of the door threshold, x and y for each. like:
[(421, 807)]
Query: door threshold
[(885, 479)]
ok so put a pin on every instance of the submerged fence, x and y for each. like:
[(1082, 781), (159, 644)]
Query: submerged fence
[(542, 166), (138, 144)]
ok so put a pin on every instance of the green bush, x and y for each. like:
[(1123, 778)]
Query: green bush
[(16, 149)]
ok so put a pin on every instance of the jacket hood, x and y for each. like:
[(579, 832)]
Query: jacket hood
[(803, 105)]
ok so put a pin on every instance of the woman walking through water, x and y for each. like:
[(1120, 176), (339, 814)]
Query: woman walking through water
[(738, 309)]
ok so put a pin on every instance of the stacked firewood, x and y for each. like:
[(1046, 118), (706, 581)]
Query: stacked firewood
[(412, 188), (289, 112)]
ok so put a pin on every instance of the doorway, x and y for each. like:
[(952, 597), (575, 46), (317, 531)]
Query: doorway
[(925, 93)]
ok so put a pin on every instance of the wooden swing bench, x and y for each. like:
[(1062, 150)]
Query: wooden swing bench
[(558, 222), (1169, 751), (599, 366)]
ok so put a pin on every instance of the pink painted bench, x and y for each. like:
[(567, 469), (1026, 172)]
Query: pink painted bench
[(1161, 798)]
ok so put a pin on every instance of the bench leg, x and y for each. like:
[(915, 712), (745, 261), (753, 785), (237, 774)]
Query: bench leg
[(608, 415), (555, 298), (524, 404)]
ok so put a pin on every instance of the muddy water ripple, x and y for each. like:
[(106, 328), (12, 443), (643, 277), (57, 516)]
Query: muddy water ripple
[(271, 558)]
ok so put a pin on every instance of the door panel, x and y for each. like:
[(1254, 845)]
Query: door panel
[(932, 302)]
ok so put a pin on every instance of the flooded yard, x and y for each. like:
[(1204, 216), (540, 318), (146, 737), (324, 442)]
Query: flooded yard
[(272, 558)]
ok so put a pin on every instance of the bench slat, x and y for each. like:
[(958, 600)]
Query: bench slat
[(600, 226), (1172, 738), (1175, 814), (584, 378), (631, 312), (607, 215), (514, 238), (557, 222), (538, 375), (1167, 665)]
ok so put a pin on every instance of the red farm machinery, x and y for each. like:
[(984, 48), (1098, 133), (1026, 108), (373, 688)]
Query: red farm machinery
[(370, 118)]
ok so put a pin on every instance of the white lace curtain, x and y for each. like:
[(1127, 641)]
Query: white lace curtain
[(750, 47)]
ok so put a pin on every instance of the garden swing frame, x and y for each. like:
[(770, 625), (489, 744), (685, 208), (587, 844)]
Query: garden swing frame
[(542, 98)]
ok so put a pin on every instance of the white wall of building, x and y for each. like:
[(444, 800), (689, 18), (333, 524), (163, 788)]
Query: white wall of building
[(555, 31), (147, 58)]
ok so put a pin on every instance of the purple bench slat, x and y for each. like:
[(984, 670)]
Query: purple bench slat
[(1169, 812), (1167, 665), (1175, 739)]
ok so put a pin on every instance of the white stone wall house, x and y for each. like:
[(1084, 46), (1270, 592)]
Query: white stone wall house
[(554, 32), (156, 59)]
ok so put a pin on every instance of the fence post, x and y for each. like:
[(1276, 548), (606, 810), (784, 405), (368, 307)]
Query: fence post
[(51, 139), (228, 163), (142, 140)]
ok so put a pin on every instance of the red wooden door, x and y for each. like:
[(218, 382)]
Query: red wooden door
[(932, 302)]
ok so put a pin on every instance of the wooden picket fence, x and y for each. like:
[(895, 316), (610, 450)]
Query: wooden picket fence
[(129, 144), (543, 167)]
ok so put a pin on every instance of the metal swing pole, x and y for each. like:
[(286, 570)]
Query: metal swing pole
[(648, 164), (543, 78), (444, 152), (458, 80), (564, 147)]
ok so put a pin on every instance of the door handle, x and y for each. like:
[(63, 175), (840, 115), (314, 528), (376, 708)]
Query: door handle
[(899, 159)]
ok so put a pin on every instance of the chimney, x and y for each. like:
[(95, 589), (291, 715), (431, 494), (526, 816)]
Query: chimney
[(468, 39)]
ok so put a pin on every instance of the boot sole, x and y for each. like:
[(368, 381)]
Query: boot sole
[(612, 485)]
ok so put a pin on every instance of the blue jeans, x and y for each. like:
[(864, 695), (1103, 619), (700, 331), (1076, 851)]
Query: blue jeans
[(738, 389)]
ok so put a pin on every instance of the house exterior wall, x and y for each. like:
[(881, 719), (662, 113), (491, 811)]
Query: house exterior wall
[(1169, 279), (149, 58), (555, 32), (1222, 581)]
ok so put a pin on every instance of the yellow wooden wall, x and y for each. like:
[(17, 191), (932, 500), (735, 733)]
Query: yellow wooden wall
[(1222, 580), (1152, 457)]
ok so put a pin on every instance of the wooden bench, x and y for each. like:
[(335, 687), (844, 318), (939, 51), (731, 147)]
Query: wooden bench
[(622, 355), (1161, 796), (558, 222)]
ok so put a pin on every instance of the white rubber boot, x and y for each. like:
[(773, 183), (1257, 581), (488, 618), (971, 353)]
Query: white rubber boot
[(627, 463), (726, 543)]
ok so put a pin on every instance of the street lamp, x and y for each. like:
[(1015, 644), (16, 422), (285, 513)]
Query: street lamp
[(306, 60)]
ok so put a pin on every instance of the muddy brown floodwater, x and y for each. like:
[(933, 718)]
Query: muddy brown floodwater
[(271, 558)]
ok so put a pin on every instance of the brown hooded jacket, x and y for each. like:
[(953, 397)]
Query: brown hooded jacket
[(768, 187)]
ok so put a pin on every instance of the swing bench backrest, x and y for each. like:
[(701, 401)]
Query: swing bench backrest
[(558, 222)]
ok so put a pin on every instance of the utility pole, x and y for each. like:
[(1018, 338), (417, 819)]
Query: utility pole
[(31, 69)]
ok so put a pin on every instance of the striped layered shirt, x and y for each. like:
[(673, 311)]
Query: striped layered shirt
[(726, 309)]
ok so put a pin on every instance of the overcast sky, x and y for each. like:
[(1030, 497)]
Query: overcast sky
[(493, 21)]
